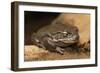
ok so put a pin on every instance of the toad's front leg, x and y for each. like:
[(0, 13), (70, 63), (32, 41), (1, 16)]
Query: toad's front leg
[(60, 50)]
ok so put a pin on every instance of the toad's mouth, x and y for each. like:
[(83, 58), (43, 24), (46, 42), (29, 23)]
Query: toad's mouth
[(71, 41), (67, 39)]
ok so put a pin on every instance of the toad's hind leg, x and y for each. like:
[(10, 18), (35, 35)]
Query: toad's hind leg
[(41, 46), (60, 50)]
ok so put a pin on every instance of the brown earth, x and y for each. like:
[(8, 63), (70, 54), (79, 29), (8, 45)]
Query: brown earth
[(34, 53)]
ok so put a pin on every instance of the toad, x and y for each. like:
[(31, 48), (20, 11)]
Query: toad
[(58, 40)]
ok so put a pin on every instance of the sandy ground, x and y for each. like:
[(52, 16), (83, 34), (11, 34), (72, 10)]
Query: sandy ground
[(34, 53)]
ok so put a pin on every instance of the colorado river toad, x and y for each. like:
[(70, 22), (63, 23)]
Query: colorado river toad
[(58, 40)]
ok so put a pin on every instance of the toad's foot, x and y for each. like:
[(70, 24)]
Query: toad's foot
[(60, 50)]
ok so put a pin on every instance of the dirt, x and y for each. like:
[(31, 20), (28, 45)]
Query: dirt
[(34, 53)]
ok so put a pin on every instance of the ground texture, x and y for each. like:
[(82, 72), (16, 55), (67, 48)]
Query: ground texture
[(34, 53)]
